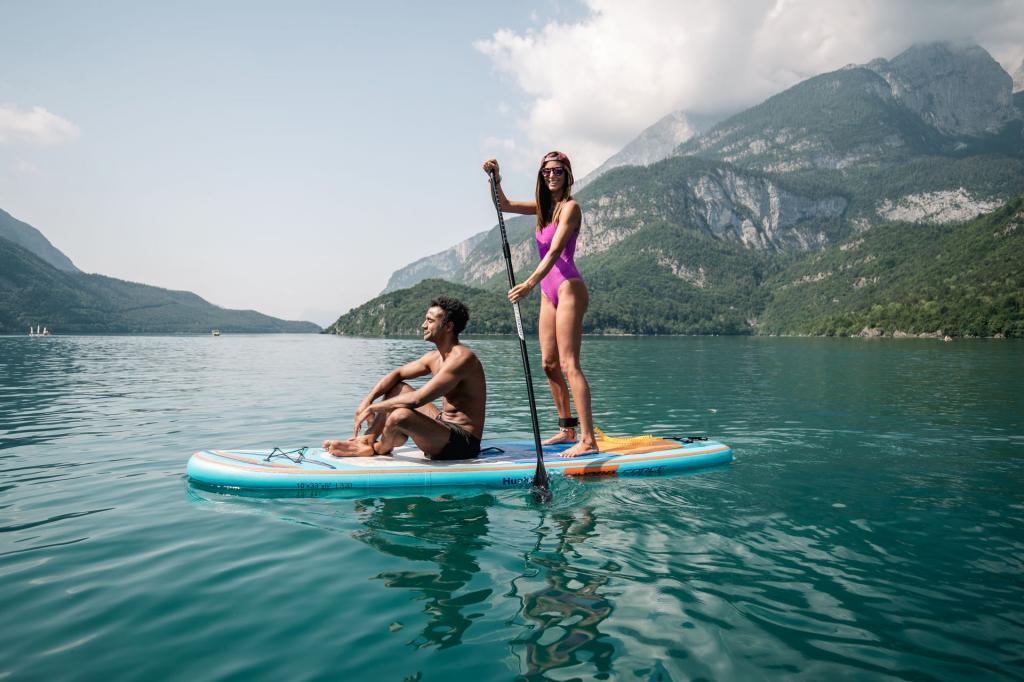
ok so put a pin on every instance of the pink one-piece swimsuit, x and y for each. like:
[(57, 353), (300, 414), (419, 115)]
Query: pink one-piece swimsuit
[(564, 267)]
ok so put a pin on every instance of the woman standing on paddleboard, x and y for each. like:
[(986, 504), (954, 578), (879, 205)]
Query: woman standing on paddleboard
[(564, 295)]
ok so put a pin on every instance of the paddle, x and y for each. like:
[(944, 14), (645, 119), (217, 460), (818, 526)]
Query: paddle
[(541, 484)]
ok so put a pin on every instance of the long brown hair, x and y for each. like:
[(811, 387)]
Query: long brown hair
[(545, 202)]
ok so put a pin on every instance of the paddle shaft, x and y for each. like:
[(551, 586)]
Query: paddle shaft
[(540, 476)]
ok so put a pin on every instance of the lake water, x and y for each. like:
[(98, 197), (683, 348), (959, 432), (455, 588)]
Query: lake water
[(872, 524)]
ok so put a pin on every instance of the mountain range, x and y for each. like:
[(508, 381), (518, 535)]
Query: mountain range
[(40, 286), (708, 232), (905, 279), (655, 143)]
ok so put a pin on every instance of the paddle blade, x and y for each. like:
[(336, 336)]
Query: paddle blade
[(541, 484)]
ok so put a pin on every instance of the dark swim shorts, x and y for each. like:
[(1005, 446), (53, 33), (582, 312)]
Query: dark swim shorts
[(461, 443)]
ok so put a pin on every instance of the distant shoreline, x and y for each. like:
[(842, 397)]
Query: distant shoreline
[(880, 337), (223, 333)]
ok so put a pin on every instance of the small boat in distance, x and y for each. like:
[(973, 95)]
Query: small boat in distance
[(216, 332), (38, 331)]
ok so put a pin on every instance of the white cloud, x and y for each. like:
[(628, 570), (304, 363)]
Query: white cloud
[(512, 156), (38, 125), (592, 85), (504, 144), (23, 167)]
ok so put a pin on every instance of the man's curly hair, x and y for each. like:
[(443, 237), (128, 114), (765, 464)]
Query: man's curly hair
[(455, 311)]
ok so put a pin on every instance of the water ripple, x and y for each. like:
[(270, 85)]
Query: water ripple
[(52, 519), (871, 524)]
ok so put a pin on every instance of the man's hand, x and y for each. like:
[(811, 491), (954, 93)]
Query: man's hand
[(363, 414)]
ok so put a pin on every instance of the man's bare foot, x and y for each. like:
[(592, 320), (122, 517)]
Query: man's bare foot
[(565, 435), (356, 447), (331, 444), (584, 447)]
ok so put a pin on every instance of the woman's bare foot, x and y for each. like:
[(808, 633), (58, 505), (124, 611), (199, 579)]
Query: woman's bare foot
[(565, 435), (584, 447)]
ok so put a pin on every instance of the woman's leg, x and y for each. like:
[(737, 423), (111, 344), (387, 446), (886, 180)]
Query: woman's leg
[(553, 369), (573, 299)]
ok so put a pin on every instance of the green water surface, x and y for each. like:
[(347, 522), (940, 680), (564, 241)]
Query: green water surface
[(871, 526)]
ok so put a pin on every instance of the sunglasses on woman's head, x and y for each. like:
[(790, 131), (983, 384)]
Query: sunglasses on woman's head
[(557, 170)]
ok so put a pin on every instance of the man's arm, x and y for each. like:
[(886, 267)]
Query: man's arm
[(416, 368), (453, 372)]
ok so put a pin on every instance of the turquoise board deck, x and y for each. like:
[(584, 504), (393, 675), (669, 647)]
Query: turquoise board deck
[(513, 466)]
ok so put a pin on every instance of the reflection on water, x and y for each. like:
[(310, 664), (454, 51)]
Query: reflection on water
[(35, 391), (446, 531), (872, 524), (561, 607), (563, 615), (439, 547)]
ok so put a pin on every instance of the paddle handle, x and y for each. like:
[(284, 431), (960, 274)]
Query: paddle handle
[(540, 476)]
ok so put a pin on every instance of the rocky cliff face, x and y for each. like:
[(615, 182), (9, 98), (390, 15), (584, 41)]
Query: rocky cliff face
[(474, 260), (948, 206), (956, 89), (444, 265), (834, 121), (1018, 78), (924, 101), (732, 206), (655, 143), (729, 205)]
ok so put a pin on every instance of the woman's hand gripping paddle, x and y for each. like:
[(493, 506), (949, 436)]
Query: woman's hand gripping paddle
[(541, 484)]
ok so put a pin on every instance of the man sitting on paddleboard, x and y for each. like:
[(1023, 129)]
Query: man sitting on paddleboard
[(405, 412)]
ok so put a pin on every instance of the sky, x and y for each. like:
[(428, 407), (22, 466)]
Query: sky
[(288, 157)]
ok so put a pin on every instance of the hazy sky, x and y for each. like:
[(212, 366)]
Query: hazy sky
[(287, 157)]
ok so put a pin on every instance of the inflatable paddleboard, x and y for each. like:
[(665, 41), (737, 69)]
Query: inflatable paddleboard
[(502, 464)]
